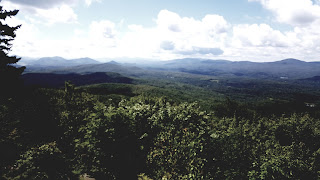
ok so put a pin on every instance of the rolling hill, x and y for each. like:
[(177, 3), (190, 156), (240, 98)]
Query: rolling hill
[(60, 62), (287, 69), (58, 80)]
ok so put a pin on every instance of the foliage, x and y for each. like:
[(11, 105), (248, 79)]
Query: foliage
[(177, 152), (42, 162), (153, 138), (8, 74)]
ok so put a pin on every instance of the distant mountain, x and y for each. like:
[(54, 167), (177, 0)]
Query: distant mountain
[(113, 62), (86, 60), (282, 70), (60, 62), (25, 61), (127, 70), (286, 69), (289, 61)]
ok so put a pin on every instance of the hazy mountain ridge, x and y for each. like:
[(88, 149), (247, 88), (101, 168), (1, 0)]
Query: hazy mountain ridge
[(283, 69), (60, 62), (288, 68), (104, 67)]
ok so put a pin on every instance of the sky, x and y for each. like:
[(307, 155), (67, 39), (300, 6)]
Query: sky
[(237, 30)]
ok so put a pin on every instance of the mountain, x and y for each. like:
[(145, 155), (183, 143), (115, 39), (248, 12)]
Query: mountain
[(26, 61), (282, 70), (127, 70), (113, 62), (86, 60), (287, 68), (60, 62), (289, 61)]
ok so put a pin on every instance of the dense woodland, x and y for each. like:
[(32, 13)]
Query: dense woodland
[(64, 133), (126, 122)]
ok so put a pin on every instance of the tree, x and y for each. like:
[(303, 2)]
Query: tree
[(9, 74), (9, 85)]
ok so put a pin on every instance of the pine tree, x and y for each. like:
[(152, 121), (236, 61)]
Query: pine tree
[(9, 74)]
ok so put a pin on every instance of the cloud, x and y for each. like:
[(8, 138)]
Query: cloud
[(293, 12), (167, 45), (44, 12), (186, 34), (61, 14), (168, 20), (173, 36), (215, 24), (303, 41), (259, 36), (102, 29), (26, 39), (89, 2), (203, 51), (48, 4), (43, 4), (174, 28)]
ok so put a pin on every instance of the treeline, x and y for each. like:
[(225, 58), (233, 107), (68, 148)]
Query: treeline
[(61, 134)]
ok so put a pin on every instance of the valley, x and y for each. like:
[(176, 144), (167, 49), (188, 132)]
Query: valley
[(198, 118), (286, 85)]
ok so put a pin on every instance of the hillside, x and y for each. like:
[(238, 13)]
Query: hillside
[(288, 68), (59, 62), (283, 69), (105, 67), (58, 80), (140, 118)]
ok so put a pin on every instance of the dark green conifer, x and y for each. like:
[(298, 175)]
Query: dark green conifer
[(9, 73)]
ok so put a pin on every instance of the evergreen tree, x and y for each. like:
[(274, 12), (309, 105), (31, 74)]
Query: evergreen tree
[(9, 74)]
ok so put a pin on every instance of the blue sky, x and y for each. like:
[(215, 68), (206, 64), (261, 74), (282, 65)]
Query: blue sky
[(255, 30)]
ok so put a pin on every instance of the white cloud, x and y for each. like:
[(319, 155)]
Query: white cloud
[(25, 41), (169, 21), (258, 35), (301, 42), (135, 27), (212, 24), (188, 34), (102, 29), (215, 24), (293, 12), (95, 42), (89, 2), (62, 14), (48, 4), (44, 13), (43, 4), (173, 36), (99, 40), (167, 45), (202, 51)]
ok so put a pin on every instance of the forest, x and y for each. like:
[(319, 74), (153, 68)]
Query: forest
[(112, 133), (170, 120)]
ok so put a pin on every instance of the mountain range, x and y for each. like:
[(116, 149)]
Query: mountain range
[(58, 62), (283, 69), (287, 68)]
